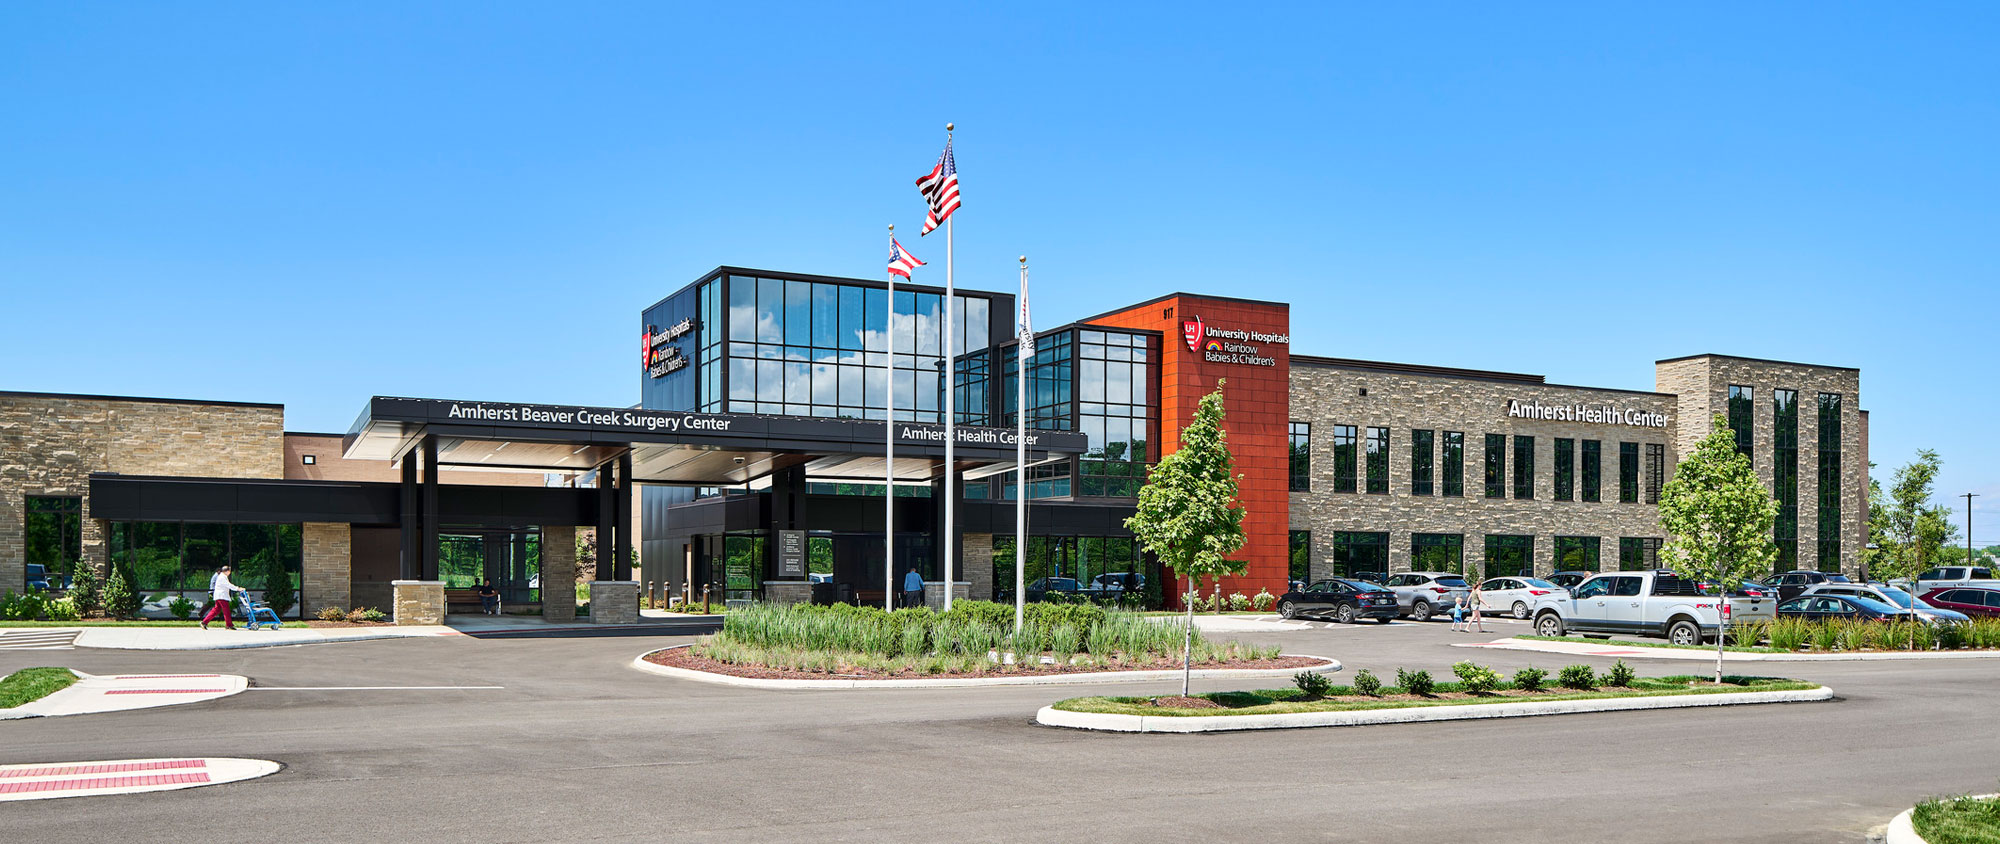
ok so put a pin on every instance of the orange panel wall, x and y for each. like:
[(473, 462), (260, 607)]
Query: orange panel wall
[(1257, 400)]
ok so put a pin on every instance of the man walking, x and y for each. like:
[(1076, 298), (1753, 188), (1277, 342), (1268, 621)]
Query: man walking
[(221, 592), (913, 588)]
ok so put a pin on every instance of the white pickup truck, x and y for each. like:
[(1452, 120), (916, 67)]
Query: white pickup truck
[(1643, 603)]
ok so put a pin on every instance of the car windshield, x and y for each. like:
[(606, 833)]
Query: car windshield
[(1872, 603), (1540, 584), (1453, 581), (1897, 596)]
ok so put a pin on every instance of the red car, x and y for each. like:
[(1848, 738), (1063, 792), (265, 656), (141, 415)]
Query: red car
[(1966, 599)]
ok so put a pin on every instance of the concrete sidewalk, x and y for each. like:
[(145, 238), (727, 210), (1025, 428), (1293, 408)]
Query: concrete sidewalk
[(119, 692), (216, 638)]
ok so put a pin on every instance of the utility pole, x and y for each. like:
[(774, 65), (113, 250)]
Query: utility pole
[(1968, 526)]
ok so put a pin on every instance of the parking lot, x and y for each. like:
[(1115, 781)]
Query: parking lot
[(574, 745)]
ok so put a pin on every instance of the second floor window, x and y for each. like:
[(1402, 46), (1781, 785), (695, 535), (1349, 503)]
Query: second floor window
[(1344, 459), (1378, 461)]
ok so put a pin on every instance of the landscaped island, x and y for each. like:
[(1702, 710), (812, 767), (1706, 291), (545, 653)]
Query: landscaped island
[(1793, 635), (972, 639)]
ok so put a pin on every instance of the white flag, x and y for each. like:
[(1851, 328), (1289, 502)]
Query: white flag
[(1027, 331)]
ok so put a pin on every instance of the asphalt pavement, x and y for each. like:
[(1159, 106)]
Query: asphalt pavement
[(577, 746)]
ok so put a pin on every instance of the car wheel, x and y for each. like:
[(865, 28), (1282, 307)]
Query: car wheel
[(1549, 625), (1521, 610), (1344, 615), (1684, 632), (1286, 609), (1420, 611)]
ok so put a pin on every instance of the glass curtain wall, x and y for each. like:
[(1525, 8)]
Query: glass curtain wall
[(169, 560), (1115, 410), (1102, 569)]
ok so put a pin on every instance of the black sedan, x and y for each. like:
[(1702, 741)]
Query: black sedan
[(1827, 607), (1341, 600)]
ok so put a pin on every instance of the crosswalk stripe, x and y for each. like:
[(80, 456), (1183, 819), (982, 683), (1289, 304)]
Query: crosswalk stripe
[(36, 640)]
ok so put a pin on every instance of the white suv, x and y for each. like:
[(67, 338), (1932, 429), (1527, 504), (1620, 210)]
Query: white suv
[(1421, 594)]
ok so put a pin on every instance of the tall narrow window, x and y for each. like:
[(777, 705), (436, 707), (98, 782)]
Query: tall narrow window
[(1593, 470), (1829, 482), (1301, 457), (1454, 463), (1344, 468), (1421, 450), (1301, 555), (53, 537), (1378, 461), (1524, 467), (1628, 473), (1742, 416), (1785, 476), (1656, 471), (1565, 469), (1496, 465)]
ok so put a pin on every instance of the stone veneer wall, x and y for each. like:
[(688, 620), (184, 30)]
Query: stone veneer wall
[(559, 572), (976, 554), (1703, 383), (327, 572), (49, 445), (1327, 395)]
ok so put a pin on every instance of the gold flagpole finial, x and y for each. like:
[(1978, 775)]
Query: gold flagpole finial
[(892, 229), (1024, 260), (948, 126)]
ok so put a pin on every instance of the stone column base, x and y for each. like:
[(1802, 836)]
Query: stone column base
[(787, 592), (934, 593), (419, 601), (614, 602)]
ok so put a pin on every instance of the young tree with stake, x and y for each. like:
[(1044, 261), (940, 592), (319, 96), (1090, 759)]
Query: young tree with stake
[(1720, 518)]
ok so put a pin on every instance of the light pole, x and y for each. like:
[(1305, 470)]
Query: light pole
[(1968, 526)]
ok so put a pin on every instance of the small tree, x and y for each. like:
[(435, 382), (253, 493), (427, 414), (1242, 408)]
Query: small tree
[(1912, 529), (86, 592), (278, 592), (120, 599), (1188, 514), (1720, 517)]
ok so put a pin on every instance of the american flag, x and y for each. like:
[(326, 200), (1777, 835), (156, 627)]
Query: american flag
[(1027, 345), (901, 262), (940, 189)]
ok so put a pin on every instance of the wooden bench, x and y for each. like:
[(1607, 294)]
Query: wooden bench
[(454, 597)]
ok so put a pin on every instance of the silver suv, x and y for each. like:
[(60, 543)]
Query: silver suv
[(1422, 594)]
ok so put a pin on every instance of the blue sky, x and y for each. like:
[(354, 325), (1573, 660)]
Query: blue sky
[(271, 202)]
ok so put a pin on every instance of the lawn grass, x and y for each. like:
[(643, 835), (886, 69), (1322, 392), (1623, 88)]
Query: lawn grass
[(105, 622), (32, 684), (1585, 640), (1958, 820), (1285, 701)]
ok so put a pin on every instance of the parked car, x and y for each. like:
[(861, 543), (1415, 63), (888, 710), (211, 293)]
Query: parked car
[(1569, 579), (1792, 584), (1895, 597), (1340, 599), (1422, 594), (1946, 577), (38, 577), (1514, 595), (1829, 607), (1646, 603), (1966, 599), (1376, 577), (1040, 588), (1119, 581)]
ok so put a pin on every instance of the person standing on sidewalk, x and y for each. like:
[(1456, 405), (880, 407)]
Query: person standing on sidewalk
[(913, 588), (222, 593)]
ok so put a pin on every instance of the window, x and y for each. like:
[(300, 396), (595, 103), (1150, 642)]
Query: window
[(1113, 411), (1301, 554), (1343, 458), (1656, 471), (1628, 473), (1638, 554), (1565, 469), (1742, 415), (308, 459), (1301, 457), (1785, 476), (1627, 587), (54, 536), (1510, 556), (1360, 552), (1454, 463), (1378, 461), (1422, 449), (1829, 482), (182, 556), (1524, 467), (1577, 553), (1496, 465), (1437, 552), (1593, 470)]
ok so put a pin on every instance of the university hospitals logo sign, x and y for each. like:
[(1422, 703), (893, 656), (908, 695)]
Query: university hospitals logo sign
[(1191, 330), (1231, 345)]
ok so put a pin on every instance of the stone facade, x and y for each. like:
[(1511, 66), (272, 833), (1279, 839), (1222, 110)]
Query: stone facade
[(419, 602), (558, 572), (934, 593), (50, 444), (615, 602), (781, 592), (976, 554), (1327, 393), (327, 572), (1703, 383)]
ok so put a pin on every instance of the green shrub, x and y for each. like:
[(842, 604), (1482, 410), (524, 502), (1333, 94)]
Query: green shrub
[(365, 614), (1366, 683), (1749, 633), (1312, 684), (333, 614), (120, 599), (61, 609), (1263, 601), (1530, 679), (1620, 675), (1418, 683), (181, 608), (1789, 634), (1578, 677), (1475, 679), (1825, 637), (278, 592), (86, 590)]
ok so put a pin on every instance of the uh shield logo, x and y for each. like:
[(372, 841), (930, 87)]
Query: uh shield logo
[(1191, 330)]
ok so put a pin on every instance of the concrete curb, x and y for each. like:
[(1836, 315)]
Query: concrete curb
[(92, 694), (1053, 717), (50, 781), (1642, 652), (118, 639), (1902, 831), (639, 662)]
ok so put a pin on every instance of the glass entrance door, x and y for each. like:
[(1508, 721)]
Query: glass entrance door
[(509, 558)]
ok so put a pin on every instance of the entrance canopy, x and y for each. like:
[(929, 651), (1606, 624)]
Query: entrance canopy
[(681, 447)]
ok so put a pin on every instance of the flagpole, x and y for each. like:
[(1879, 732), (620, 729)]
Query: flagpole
[(1021, 349), (950, 407), (889, 449)]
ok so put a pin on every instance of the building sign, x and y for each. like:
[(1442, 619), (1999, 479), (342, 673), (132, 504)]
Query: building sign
[(646, 420), (934, 434), (659, 358), (1597, 414), (791, 554), (1230, 345)]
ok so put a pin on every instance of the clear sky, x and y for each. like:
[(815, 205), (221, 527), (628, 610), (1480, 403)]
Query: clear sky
[(312, 205)]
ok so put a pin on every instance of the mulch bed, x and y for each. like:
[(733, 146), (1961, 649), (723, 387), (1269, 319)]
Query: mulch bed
[(1178, 702), (318, 623), (682, 658)]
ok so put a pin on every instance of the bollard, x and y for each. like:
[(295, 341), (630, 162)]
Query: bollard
[(649, 595), (704, 599)]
